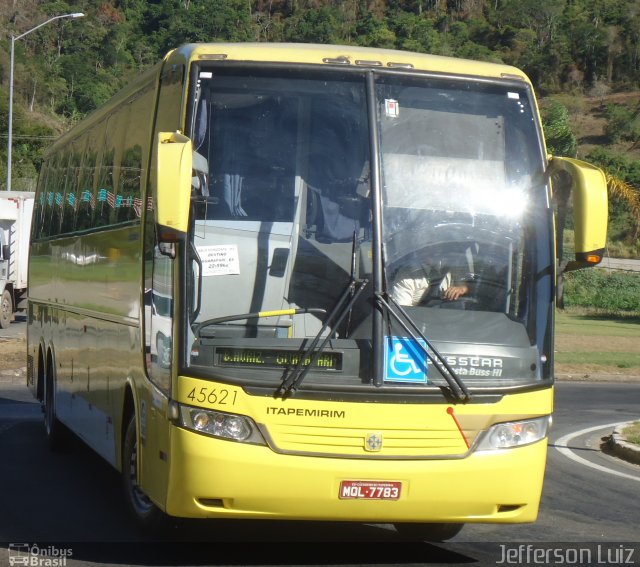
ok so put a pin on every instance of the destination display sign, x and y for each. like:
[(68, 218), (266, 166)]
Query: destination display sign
[(268, 358)]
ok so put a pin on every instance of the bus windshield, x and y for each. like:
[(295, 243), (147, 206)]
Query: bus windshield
[(283, 224)]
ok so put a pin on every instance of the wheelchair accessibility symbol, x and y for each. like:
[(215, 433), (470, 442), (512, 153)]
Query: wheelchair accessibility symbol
[(405, 360)]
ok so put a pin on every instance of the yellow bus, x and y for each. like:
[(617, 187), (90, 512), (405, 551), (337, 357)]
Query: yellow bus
[(308, 282)]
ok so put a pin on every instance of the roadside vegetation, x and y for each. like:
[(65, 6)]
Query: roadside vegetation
[(604, 294), (632, 433), (589, 343)]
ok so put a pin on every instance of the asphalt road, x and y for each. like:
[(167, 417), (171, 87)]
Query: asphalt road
[(71, 502), (17, 328)]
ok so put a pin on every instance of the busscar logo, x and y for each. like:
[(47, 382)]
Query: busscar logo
[(33, 555), (476, 365)]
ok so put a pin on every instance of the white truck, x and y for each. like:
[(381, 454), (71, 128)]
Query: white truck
[(16, 208)]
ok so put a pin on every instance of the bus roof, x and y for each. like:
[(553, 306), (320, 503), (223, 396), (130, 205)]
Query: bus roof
[(308, 53)]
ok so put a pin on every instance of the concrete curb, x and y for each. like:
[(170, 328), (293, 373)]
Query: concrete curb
[(621, 378), (622, 448)]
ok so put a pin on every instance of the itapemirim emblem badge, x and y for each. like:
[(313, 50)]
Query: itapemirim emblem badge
[(373, 442)]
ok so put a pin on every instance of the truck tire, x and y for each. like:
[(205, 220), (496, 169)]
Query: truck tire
[(6, 309)]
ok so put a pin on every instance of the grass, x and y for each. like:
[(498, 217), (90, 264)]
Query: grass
[(632, 433), (619, 360), (579, 321), (597, 343)]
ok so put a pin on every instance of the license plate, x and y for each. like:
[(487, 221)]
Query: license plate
[(369, 490)]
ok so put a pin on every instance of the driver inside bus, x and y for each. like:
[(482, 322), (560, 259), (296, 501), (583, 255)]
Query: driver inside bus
[(419, 282)]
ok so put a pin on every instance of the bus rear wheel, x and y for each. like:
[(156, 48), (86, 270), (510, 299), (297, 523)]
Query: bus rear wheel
[(428, 532), (146, 514), (58, 435)]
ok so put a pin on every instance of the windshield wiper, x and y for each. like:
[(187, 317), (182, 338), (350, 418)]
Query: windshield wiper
[(255, 315), (349, 296), (456, 385)]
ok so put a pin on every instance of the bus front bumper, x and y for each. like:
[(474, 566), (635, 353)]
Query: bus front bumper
[(212, 478)]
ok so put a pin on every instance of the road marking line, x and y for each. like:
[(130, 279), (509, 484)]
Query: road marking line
[(561, 446)]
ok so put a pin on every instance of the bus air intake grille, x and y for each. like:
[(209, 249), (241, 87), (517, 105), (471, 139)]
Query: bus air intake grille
[(356, 442)]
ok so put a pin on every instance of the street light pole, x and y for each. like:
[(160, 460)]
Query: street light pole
[(10, 129)]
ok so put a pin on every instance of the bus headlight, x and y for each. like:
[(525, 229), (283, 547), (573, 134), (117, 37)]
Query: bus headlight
[(514, 434), (222, 425)]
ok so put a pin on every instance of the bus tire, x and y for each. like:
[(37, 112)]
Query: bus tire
[(428, 532), (146, 514), (57, 434), (6, 309)]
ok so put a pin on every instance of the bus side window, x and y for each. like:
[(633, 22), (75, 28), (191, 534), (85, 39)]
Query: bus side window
[(39, 208), (46, 205), (69, 203), (129, 189), (134, 131), (86, 200), (111, 168), (105, 185), (57, 195)]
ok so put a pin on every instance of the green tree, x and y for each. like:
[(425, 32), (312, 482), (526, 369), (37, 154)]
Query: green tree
[(414, 32), (559, 136), (623, 123), (373, 32), (321, 25)]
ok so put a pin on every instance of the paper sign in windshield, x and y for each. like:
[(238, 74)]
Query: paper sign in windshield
[(220, 260)]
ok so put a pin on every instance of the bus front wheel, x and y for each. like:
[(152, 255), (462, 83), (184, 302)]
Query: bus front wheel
[(147, 515), (428, 532)]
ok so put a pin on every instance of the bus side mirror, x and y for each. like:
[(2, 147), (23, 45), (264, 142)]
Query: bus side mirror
[(173, 185), (588, 188)]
